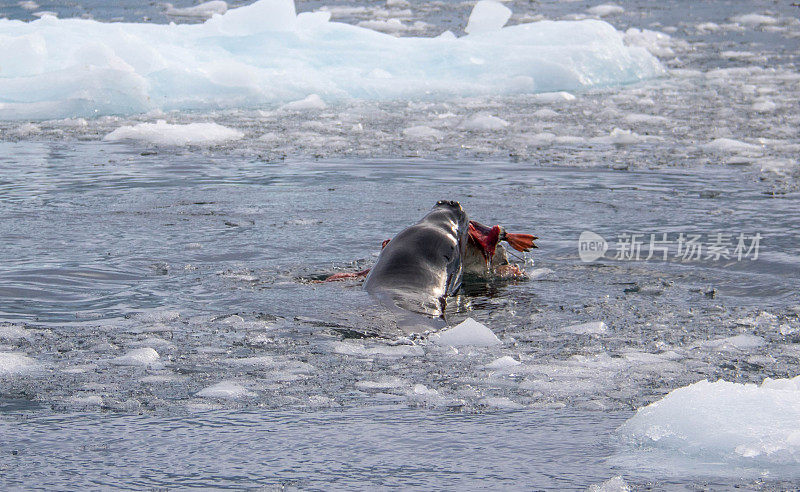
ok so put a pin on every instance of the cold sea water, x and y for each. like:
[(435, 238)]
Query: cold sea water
[(160, 323)]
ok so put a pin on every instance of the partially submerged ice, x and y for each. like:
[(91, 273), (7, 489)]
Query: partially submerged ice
[(741, 425), (265, 54)]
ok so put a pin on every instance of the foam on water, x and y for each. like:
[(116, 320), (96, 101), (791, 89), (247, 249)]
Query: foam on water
[(266, 54)]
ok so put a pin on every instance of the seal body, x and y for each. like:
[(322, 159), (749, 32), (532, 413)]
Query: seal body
[(423, 264)]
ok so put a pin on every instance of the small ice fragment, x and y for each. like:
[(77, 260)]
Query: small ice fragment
[(615, 484), (383, 383), (606, 9), (203, 11), (553, 97), (730, 145), (85, 401), (468, 332), (12, 364), (28, 5), (422, 133), (501, 402), (484, 122), (505, 362), (388, 26), (12, 332), (764, 106), (137, 357), (227, 390), (755, 20), (162, 133), (486, 16), (592, 328), (738, 342), (310, 103)]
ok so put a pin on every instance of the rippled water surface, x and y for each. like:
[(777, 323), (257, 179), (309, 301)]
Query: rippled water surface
[(159, 326)]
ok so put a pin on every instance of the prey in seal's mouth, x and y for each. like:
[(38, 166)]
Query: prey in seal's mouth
[(484, 243)]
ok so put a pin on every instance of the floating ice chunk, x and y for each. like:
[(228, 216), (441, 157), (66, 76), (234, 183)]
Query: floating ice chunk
[(487, 16), (592, 328), (545, 113), (383, 383), (358, 349), (501, 402), (85, 401), (764, 106), (615, 484), (656, 43), (258, 17), (738, 424), (619, 137), (730, 145), (311, 103), (157, 316), (226, 390), (606, 9), (162, 133), (781, 167), (244, 58), (707, 27), (505, 362), (554, 97), (738, 342), (484, 122), (137, 357), (638, 118), (755, 20), (28, 5), (203, 11), (389, 26), (468, 332), (13, 364), (423, 133), (13, 332)]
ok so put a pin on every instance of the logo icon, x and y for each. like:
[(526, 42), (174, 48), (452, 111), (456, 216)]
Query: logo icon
[(591, 246)]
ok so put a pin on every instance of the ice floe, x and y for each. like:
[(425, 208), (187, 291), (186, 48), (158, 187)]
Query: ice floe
[(266, 54), (735, 424)]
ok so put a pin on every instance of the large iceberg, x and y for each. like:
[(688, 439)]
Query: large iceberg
[(266, 54), (738, 427)]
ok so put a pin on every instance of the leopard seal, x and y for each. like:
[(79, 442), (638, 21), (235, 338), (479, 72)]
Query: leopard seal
[(423, 264)]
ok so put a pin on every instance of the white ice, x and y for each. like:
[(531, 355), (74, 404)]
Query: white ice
[(165, 134), (606, 9), (137, 357), (226, 390), (591, 328), (737, 424), (265, 55), (467, 333), (487, 16), (483, 122), (14, 364), (204, 10)]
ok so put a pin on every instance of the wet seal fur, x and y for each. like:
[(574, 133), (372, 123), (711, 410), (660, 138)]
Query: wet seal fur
[(423, 264)]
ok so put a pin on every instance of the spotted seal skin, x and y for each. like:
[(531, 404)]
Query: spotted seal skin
[(422, 265)]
